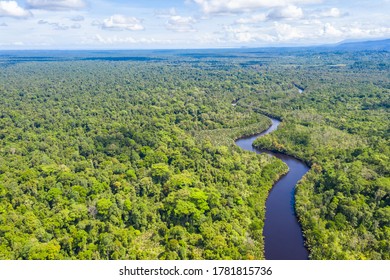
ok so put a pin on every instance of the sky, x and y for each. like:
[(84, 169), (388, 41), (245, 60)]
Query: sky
[(183, 24)]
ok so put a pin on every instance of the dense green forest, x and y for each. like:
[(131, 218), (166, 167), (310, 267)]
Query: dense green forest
[(340, 126), (99, 161), (119, 156)]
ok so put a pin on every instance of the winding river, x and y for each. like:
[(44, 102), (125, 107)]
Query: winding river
[(283, 239)]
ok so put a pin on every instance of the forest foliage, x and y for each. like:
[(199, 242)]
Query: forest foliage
[(99, 161), (134, 158), (340, 126)]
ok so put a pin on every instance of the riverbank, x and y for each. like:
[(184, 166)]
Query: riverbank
[(280, 214)]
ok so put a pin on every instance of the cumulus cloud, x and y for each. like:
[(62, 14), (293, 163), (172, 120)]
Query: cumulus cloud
[(165, 13), (96, 23), (180, 24), (120, 22), (59, 26), (286, 32), (277, 32), (253, 19), (372, 32), (54, 25), (333, 12), (3, 24), (331, 31), (329, 13), (246, 34), (14, 44), (56, 4), (129, 40), (75, 26), (12, 9), (77, 18), (289, 12), (239, 6), (355, 31)]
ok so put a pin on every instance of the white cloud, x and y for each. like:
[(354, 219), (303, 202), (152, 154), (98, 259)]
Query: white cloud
[(180, 24), (165, 13), (288, 12), (328, 13), (355, 31), (77, 18), (56, 4), (209, 38), (75, 26), (12, 9), (246, 34), (96, 23), (120, 22), (331, 31), (203, 23), (14, 44), (239, 6), (129, 40), (55, 25), (286, 32), (60, 26), (333, 12), (3, 24), (253, 19)]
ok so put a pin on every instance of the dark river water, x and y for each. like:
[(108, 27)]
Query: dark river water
[(282, 233)]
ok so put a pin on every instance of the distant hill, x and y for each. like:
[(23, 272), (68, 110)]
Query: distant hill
[(366, 45), (344, 46)]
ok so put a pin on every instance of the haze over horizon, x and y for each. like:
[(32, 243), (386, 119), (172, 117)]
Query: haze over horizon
[(118, 24)]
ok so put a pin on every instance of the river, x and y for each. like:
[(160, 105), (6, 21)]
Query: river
[(283, 238)]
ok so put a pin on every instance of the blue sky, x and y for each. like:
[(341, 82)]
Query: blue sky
[(149, 24)]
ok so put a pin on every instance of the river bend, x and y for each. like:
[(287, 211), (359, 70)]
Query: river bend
[(283, 239)]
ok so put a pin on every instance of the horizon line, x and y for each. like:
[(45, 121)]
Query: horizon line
[(208, 48)]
